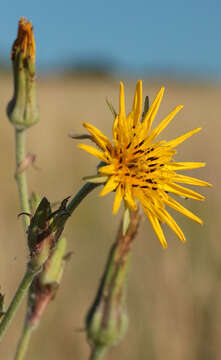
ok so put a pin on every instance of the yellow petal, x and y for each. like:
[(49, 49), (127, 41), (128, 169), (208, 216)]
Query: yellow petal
[(150, 115), (185, 165), (108, 169), (122, 113), (137, 105), (91, 150), (118, 198), (178, 207), (180, 139), (158, 129), (115, 130), (189, 180), (129, 198), (100, 139), (172, 224), (109, 186), (180, 190), (156, 226)]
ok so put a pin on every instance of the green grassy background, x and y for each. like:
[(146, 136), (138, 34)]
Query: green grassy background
[(174, 295)]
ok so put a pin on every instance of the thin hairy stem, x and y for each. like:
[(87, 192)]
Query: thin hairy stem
[(20, 144), (20, 293), (98, 352), (81, 194)]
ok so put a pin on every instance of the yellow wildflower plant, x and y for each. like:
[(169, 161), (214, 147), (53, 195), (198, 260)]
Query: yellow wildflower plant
[(137, 167)]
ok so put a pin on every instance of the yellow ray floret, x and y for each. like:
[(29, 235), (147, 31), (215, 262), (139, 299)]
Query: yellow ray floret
[(110, 185), (101, 140), (91, 150), (118, 198), (150, 116), (137, 168), (182, 138)]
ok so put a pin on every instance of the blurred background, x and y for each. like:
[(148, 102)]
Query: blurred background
[(83, 50)]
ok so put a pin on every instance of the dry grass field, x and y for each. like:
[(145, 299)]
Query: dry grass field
[(174, 295)]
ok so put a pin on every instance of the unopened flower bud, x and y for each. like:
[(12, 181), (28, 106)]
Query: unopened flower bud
[(107, 320), (45, 285), (54, 266), (40, 238), (22, 110)]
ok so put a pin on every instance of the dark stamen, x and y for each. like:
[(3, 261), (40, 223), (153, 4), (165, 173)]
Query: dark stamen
[(154, 188), (135, 185), (151, 165), (149, 181), (128, 145), (138, 152), (148, 151), (152, 158), (144, 187)]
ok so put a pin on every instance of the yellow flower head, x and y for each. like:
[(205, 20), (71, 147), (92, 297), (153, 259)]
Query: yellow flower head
[(137, 167), (25, 41)]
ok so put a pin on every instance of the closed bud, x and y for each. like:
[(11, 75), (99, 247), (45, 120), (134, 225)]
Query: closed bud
[(40, 238), (22, 110), (54, 266), (107, 321), (46, 284)]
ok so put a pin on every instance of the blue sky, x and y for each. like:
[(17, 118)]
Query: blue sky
[(136, 35)]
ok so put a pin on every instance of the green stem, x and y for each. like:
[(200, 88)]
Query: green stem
[(73, 204), (98, 352), (20, 293), (82, 193), (24, 342), (20, 142)]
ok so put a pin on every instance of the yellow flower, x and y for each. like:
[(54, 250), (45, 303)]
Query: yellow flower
[(138, 167)]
